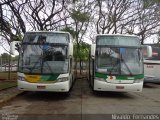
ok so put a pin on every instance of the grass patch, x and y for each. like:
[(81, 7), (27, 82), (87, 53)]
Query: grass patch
[(4, 75), (4, 85)]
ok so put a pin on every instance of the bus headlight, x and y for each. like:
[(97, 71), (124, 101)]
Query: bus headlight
[(62, 79), (21, 78), (138, 80), (100, 79)]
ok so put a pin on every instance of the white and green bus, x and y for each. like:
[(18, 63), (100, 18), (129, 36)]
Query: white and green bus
[(152, 65), (45, 62), (116, 63)]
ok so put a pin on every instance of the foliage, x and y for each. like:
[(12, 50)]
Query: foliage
[(82, 18), (70, 30), (148, 3), (79, 16), (4, 58), (83, 53)]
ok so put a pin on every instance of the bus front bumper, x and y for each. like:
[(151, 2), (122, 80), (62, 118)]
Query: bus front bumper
[(52, 87), (105, 86)]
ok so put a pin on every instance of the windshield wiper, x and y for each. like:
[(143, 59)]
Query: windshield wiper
[(126, 66), (46, 51), (35, 65), (41, 60)]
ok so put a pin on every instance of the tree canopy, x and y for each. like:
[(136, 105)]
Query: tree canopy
[(83, 19)]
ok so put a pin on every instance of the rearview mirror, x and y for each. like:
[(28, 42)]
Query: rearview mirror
[(93, 50), (70, 50), (14, 46), (147, 51)]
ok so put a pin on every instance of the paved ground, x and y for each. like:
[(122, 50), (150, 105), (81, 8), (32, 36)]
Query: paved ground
[(81, 103), (8, 93)]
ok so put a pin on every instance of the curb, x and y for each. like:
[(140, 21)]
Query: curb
[(8, 88), (10, 97)]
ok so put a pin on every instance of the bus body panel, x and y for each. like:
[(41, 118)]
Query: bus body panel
[(50, 86), (56, 87), (104, 86), (46, 78), (117, 65), (151, 71), (152, 66)]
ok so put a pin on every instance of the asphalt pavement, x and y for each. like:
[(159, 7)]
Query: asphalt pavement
[(82, 103)]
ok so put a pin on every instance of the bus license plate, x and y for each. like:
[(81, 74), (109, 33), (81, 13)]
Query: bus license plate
[(119, 87), (41, 87)]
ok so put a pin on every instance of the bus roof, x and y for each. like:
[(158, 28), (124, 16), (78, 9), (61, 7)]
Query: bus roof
[(100, 40), (47, 32), (50, 32), (126, 35)]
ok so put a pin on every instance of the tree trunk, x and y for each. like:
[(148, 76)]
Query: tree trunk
[(9, 68)]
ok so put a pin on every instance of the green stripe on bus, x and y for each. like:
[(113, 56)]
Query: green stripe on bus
[(100, 75), (120, 77), (49, 77)]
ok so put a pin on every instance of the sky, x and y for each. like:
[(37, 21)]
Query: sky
[(87, 39), (5, 45), (152, 39)]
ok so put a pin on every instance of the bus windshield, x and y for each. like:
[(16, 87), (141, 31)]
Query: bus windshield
[(118, 55), (44, 57), (116, 60)]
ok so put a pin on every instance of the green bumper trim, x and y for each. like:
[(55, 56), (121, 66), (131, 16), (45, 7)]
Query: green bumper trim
[(120, 77)]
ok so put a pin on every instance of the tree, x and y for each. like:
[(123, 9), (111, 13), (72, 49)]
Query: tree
[(5, 58), (17, 17), (112, 15), (45, 15), (127, 16), (12, 25), (82, 18), (147, 23), (80, 14), (158, 37)]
